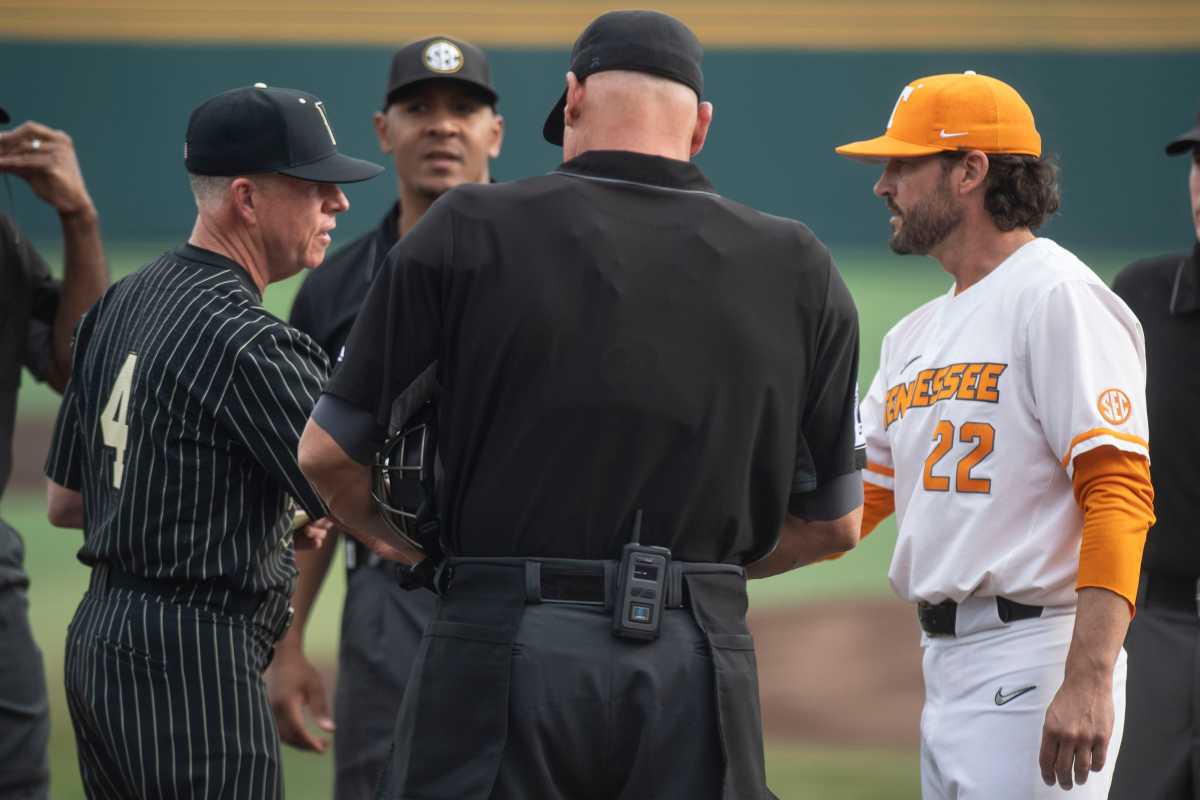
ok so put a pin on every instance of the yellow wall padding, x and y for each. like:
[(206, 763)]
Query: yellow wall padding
[(968, 25)]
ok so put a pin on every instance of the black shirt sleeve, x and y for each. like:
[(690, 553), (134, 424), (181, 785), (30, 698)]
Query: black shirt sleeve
[(830, 452), (398, 333), (27, 280), (39, 348), (274, 386), (46, 290)]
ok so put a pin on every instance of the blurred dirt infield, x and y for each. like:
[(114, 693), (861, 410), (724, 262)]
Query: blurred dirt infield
[(31, 442), (835, 672), (843, 672)]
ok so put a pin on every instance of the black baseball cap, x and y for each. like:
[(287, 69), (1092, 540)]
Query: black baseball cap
[(1185, 142), (640, 41), (266, 129), (440, 58)]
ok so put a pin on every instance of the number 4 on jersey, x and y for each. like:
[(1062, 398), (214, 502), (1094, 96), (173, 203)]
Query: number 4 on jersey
[(114, 421)]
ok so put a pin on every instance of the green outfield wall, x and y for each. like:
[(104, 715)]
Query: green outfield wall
[(779, 114)]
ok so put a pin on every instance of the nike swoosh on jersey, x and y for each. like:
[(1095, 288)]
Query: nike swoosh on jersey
[(1002, 698), (909, 364), (945, 135)]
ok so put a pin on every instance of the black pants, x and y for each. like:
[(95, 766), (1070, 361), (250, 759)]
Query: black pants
[(382, 626), (167, 700), (24, 710), (1160, 755), (509, 701)]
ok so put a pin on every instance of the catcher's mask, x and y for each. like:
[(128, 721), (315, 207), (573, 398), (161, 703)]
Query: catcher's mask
[(402, 481)]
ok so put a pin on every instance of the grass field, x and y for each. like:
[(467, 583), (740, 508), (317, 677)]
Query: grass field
[(884, 287)]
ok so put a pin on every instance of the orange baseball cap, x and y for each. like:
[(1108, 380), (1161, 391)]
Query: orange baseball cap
[(942, 113)]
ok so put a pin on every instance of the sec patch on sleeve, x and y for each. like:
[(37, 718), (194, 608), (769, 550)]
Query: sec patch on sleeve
[(1114, 406)]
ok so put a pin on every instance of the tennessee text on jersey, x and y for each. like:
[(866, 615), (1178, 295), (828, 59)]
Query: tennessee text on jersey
[(978, 381)]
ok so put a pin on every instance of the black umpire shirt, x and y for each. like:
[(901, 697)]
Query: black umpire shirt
[(181, 422), (28, 303), (330, 297), (613, 336), (1164, 293)]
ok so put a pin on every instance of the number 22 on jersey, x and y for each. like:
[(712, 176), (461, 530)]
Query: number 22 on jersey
[(982, 435), (114, 420)]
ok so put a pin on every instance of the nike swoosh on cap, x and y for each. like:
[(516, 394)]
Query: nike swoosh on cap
[(945, 135)]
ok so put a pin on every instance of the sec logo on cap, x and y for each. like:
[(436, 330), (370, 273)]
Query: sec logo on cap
[(1114, 406), (444, 57)]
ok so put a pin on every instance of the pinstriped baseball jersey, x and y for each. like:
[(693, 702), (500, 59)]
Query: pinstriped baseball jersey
[(981, 403), (181, 422)]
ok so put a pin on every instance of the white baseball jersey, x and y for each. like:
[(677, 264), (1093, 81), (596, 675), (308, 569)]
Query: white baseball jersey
[(980, 405)]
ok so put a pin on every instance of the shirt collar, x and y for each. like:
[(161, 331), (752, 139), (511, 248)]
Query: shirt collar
[(621, 165), (1185, 292), (211, 259), (386, 236)]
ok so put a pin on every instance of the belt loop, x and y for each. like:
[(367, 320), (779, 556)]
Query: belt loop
[(674, 598), (533, 581), (610, 585)]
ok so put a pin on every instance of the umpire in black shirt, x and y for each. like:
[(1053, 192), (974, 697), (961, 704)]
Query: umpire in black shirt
[(1160, 755), (175, 451), (622, 355), (440, 128)]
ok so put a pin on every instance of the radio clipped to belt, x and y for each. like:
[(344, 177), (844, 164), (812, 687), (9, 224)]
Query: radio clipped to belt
[(641, 587)]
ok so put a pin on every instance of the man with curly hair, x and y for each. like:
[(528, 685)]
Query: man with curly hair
[(1006, 428)]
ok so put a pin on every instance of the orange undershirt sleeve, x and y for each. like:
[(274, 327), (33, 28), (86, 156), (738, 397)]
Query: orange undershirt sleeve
[(878, 505), (1113, 488)]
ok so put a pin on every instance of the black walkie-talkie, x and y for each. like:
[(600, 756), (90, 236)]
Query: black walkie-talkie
[(641, 587)]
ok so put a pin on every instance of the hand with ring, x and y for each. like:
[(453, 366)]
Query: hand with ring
[(45, 158)]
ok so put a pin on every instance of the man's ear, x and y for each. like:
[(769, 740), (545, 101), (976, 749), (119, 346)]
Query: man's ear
[(974, 166), (497, 136), (381, 131), (704, 118), (243, 197), (575, 95)]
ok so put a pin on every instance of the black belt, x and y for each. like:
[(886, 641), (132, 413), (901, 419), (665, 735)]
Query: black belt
[(234, 601), (1164, 590), (592, 582), (939, 619)]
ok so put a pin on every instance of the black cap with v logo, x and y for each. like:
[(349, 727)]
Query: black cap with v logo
[(266, 129)]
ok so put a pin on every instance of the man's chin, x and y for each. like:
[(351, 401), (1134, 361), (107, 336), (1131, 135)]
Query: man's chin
[(899, 246), (439, 185), (316, 259)]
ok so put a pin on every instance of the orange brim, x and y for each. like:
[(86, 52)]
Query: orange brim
[(884, 147)]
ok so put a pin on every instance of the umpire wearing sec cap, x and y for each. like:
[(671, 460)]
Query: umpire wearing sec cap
[(440, 128), (175, 451), (624, 355)]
